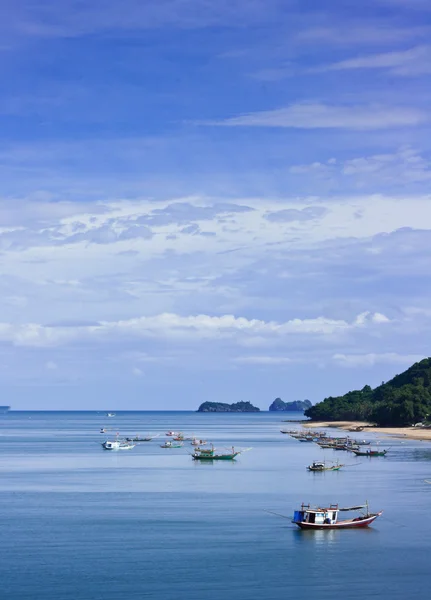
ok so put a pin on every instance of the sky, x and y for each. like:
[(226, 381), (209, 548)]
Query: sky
[(216, 201)]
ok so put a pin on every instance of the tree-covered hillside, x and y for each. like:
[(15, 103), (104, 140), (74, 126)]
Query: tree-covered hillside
[(404, 400)]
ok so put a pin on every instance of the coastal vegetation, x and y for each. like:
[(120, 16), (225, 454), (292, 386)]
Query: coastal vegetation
[(223, 407), (404, 400), (296, 406)]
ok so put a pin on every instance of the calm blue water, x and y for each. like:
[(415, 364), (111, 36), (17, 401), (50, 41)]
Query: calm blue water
[(77, 522)]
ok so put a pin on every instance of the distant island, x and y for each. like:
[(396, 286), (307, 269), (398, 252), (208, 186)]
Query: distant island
[(404, 400), (236, 407), (297, 405)]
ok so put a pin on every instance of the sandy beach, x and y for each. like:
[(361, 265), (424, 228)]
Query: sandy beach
[(414, 433)]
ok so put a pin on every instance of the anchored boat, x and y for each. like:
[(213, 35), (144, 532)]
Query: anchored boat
[(323, 466), (327, 518), (370, 452), (212, 454), (173, 444), (117, 445)]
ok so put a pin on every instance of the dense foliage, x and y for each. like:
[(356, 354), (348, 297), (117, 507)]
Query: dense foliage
[(223, 407), (404, 400), (297, 405)]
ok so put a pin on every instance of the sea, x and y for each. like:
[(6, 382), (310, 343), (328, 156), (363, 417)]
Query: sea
[(81, 523)]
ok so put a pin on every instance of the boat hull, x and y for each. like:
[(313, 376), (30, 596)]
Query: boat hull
[(219, 457), (349, 524)]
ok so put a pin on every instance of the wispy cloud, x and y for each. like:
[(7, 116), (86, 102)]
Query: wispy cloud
[(317, 116), (369, 360), (405, 63), (369, 34), (288, 215)]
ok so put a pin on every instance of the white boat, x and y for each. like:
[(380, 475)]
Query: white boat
[(173, 433), (110, 414), (117, 445), (198, 442)]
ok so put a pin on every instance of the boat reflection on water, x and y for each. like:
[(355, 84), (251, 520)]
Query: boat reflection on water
[(320, 537)]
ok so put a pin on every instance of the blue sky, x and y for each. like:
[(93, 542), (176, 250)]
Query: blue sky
[(212, 200)]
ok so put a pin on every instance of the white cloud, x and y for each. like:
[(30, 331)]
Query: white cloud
[(369, 360), (173, 326), (315, 116), (137, 372), (51, 366), (406, 165), (370, 34), (411, 62), (263, 360)]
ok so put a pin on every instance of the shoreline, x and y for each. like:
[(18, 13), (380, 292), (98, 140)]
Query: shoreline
[(412, 433)]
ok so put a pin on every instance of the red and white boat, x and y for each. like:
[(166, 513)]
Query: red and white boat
[(327, 518)]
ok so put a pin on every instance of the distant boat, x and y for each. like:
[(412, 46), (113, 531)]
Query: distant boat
[(117, 445), (213, 454), (327, 518), (145, 438), (323, 466), (198, 442), (110, 414), (173, 444), (172, 433), (369, 452)]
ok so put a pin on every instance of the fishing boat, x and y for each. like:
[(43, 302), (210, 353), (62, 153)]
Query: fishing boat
[(117, 445), (323, 466), (172, 433), (198, 442), (327, 518), (171, 444), (213, 454), (103, 430), (369, 452), (110, 414), (139, 438)]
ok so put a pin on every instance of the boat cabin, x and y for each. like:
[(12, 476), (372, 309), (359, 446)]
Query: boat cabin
[(319, 516)]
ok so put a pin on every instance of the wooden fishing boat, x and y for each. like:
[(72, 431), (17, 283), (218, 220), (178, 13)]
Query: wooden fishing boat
[(198, 442), (212, 454), (319, 466), (369, 452), (117, 445), (171, 444), (327, 518)]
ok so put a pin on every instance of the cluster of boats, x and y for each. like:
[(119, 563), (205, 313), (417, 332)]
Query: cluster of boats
[(357, 447), (175, 439)]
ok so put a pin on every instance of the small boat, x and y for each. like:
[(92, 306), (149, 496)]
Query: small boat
[(110, 414), (145, 438), (197, 442), (179, 437), (173, 444), (212, 454), (362, 442), (117, 445), (172, 433), (323, 466), (327, 518), (369, 452), (103, 430)]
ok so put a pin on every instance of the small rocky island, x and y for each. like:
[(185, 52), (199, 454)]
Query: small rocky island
[(297, 406), (237, 407)]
